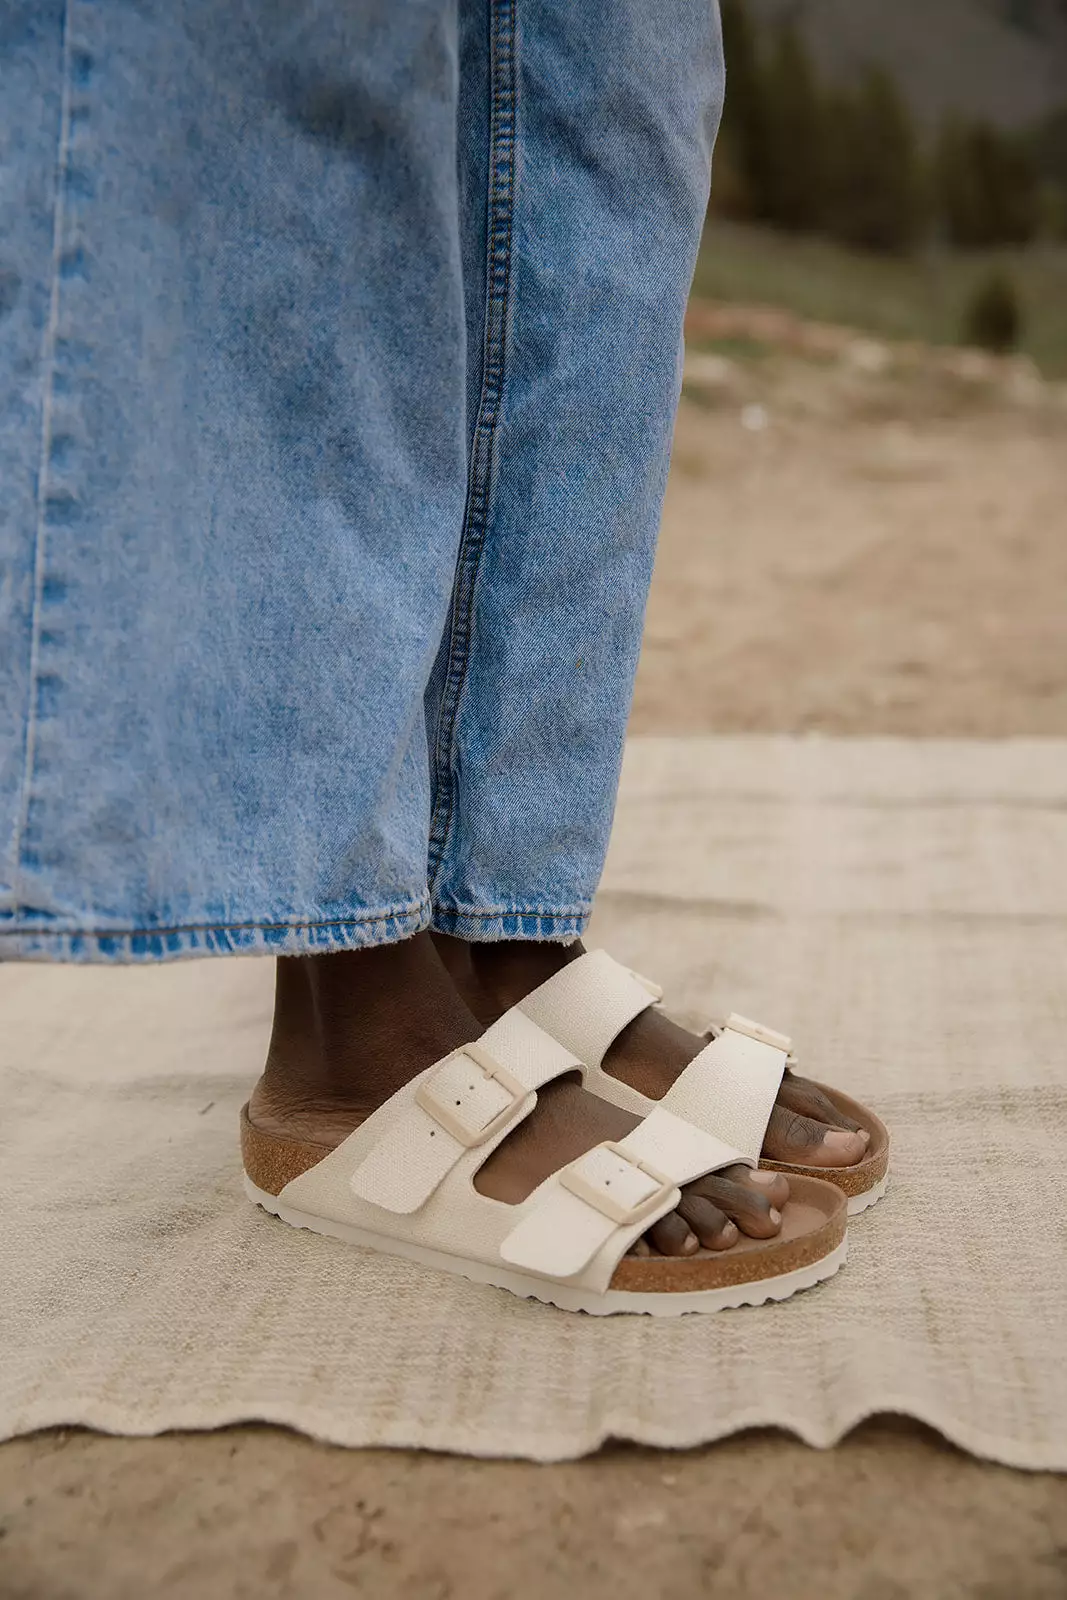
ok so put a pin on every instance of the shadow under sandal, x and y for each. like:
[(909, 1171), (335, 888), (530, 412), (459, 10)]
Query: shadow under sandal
[(729, 1089), (403, 1183)]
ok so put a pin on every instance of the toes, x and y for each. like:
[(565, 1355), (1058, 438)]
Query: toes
[(841, 1148), (775, 1185), (672, 1236), (796, 1138), (806, 1098), (712, 1227), (744, 1203)]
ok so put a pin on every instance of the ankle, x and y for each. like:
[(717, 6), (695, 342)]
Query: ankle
[(351, 1029), (493, 977)]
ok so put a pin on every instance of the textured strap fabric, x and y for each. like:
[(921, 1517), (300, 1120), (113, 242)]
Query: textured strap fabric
[(678, 1147), (729, 1089), (559, 1236), (563, 1230), (588, 1002), (418, 1149)]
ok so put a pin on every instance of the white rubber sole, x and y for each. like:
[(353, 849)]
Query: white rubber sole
[(558, 1294), (869, 1197)]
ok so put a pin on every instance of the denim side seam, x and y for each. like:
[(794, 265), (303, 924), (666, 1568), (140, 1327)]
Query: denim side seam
[(503, 118), (49, 339), (357, 932)]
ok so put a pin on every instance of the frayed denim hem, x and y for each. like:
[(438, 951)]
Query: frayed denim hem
[(501, 923), (130, 945)]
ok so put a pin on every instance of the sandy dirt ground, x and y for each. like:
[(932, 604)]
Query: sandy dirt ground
[(853, 543), (848, 550), (891, 1514)]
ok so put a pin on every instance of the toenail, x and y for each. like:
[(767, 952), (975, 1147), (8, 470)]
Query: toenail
[(768, 1178), (776, 1215), (838, 1139), (691, 1243), (864, 1135), (729, 1234)]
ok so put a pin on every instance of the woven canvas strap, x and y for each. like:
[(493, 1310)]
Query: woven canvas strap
[(588, 1002), (472, 1097), (437, 1131), (728, 1090), (611, 1194)]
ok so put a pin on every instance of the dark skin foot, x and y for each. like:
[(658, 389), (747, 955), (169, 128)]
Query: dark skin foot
[(805, 1127), (350, 1029)]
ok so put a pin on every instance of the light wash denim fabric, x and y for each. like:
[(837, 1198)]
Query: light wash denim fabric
[(339, 352)]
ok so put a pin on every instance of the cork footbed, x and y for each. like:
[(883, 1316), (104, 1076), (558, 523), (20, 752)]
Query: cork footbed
[(866, 1174), (813, 1225)]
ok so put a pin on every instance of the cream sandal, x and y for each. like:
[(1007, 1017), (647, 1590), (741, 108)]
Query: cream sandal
[(402, 1183), (729, 1089)]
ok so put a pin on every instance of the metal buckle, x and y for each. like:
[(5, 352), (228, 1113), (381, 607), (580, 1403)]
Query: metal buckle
[(756, 1030), (606, 1204), (445, 1115)]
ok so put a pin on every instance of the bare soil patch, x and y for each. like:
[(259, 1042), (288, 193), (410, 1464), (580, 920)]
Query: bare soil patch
[(859, 538)]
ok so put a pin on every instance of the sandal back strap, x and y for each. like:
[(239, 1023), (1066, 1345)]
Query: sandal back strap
[(471, 1099), (588, 1003)]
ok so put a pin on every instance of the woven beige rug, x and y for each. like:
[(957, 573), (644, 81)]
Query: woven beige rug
[(899, 906)]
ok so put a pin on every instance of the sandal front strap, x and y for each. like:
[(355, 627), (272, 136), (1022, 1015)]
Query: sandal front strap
[(729, 1089), (594, 1208), (604, 1195)]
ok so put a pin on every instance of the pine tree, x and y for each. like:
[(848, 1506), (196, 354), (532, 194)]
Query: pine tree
[(795, 144), (1012, 188), (744, 134), (987, 185), (959, 200), (875, 189)]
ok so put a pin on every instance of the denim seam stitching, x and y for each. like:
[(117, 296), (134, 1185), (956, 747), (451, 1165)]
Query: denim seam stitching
[(513, 911), (501, 202), (48, 362), (556, 919), (78, 931)]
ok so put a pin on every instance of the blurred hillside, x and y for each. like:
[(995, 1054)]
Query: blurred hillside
[(864, 524), (1004, 61), (925, 296), (901, 169)]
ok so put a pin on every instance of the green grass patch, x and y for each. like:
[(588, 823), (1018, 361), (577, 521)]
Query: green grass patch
[(924, 297)]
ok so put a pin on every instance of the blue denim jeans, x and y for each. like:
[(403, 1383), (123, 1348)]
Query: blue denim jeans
[(339, 352)]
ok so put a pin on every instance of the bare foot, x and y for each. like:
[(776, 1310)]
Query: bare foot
[(351, 1029), (806, 1128)]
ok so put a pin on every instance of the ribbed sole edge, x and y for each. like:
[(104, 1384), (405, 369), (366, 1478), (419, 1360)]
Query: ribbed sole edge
[(612, 1302)]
